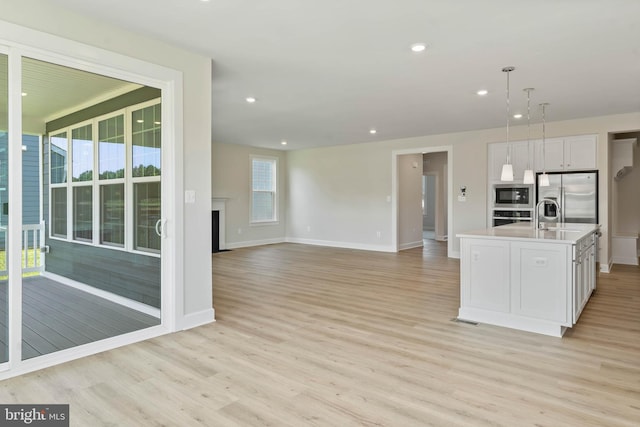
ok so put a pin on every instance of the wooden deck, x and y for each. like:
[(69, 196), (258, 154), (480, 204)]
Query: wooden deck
[(56, 317)]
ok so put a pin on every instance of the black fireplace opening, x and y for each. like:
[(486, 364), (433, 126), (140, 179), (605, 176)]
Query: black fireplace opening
[(215, 232)]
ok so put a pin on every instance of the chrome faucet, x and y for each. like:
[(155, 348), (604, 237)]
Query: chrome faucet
[(536, 214)]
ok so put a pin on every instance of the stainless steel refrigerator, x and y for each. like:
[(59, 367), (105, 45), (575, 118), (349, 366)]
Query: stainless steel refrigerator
[(575, 192)]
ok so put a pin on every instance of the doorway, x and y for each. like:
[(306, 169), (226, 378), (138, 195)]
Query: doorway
[(429, 197), (437, 166)]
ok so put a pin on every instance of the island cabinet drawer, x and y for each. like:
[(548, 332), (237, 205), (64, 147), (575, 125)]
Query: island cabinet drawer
[(541, 281), (484, 274)]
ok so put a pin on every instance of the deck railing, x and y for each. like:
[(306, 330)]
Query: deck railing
[(32, 249)]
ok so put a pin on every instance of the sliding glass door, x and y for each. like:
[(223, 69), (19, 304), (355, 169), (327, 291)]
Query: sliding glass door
[(91, 218), (4, 186)]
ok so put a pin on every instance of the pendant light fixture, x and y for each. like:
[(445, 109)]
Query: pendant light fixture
[(544, 178), (528, 173), (507, 168)]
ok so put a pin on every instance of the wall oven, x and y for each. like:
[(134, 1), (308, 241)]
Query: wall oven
[(518, 196), (503, 217)]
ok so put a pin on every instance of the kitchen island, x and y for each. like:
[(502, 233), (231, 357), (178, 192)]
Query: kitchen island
[(520, 277)]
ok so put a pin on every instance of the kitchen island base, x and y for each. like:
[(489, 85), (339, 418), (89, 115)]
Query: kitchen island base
[(533, 280)]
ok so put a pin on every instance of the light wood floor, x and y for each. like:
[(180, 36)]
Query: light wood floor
[(333, 337)]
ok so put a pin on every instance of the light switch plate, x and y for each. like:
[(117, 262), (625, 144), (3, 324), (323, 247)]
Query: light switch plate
[(189, 196)]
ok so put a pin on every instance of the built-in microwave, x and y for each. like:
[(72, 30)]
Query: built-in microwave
[(519, 196)]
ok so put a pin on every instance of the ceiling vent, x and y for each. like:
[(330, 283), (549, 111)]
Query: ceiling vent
[(623, 156)]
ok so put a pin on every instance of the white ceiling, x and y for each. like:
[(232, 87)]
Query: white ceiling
[(325, 72)]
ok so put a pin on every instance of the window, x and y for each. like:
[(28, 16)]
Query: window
[(110, 193), (59, 212), (263, 190), (59, 158), (147, 214), (112, 214), (111, 147), (83, 213), (82, 153)]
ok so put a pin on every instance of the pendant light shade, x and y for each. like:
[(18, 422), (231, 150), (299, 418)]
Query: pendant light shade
[(528, 173), (528, 177), (544, 178), (507, 172), (507, 168)]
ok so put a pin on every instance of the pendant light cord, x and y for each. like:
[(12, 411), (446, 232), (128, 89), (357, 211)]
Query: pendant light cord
[(528, 127), (508, 113), (544, 160)]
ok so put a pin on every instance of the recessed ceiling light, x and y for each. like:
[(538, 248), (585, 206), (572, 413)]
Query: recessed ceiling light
[(418, 47), (139, 121), (283, 143), (24, 93), (251, 99), (517, 116), (482, 92), (373, 131), (156, 123)]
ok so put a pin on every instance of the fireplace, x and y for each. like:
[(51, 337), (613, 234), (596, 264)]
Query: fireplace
[(218, 235)]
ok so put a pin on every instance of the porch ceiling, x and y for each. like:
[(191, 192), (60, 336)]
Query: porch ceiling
[(53, 91)]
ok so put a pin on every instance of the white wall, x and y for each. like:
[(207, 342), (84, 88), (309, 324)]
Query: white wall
[(230, 179), (338, 196), (409, 201), (196, 132), (341, 192)]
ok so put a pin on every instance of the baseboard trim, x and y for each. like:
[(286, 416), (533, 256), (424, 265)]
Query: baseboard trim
[(109, 296), (606, 268), (410, 245), (250, 243), (625, 260), (344, 245), (199, 318), (455, 254)]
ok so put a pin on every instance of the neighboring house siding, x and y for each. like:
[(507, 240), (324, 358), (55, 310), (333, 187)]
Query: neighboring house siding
[(31, 180)]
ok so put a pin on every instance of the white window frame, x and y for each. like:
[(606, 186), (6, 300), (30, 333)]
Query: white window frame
[(274, 161), (129, 181)]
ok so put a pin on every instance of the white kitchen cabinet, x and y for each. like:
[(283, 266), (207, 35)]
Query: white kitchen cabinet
[(521, 154), (584, 274), (486, 273), (568, 153), (539, 277)]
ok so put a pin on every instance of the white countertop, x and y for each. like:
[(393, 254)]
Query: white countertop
[(557, 233)]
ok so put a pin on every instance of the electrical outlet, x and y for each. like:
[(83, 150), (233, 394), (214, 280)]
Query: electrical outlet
[(239, 230), (378, 234), (308, 228)]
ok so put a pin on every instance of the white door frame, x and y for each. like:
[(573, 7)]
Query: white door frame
[(20, 41), (395, 188)]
